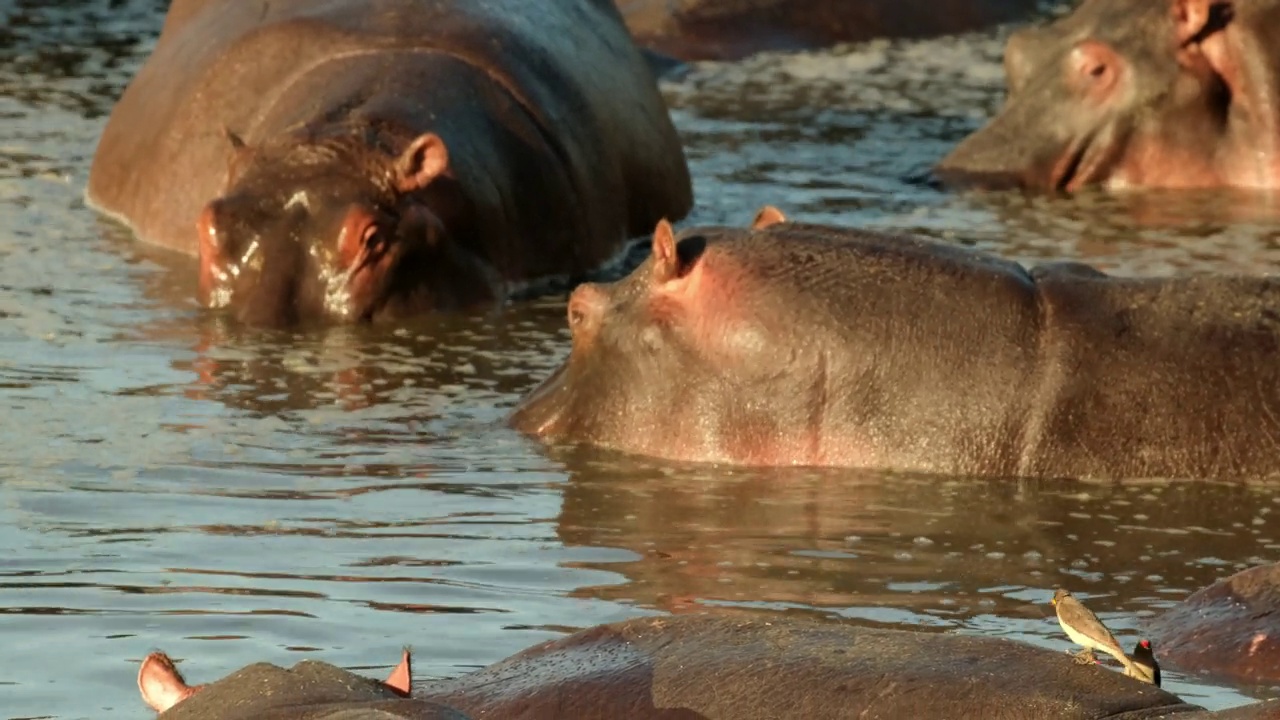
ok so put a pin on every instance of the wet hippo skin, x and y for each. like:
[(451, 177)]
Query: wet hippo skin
[(1135, 93), (1229, 630), (353, 160), (796, 344), (730, 29), (702, 667), (310, 690)]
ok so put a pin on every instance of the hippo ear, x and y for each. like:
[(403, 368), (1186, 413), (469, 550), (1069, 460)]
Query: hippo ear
[(401, 679), (768, 215), (665, 263), (1194, 19), (423, 161), (161, 684)]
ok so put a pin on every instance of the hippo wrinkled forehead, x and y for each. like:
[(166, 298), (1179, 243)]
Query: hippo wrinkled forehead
[(289, 205), (311, 187)]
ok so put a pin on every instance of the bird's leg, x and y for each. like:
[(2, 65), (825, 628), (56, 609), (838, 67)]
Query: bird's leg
[(1085, 657)]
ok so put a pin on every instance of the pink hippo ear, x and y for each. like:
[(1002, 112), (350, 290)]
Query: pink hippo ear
[(676, 266), (423, 161), (768, 215), (161, 684), (401, 679), (1195, 18), (666, 266)]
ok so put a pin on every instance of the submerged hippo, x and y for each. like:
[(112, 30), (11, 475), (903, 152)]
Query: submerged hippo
[(354, 159), (309, 690), (711, 668), (1136, 93), (730, 29), (1230, 629), (795, 344)]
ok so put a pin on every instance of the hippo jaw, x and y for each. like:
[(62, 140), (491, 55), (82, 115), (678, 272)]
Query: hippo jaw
[(324, 231), (1115, 94)]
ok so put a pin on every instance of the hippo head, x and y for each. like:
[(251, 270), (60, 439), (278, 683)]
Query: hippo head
[(1122, 93), (648, 347), (254, 690), (333, 229)]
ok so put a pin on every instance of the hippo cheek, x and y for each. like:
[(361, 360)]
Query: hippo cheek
[(543, 413), (1061, 130)]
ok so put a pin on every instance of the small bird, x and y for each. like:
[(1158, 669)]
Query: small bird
[(1084, 628), (1145, 667)]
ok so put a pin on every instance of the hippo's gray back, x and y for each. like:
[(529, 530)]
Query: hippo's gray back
[(733, 668)]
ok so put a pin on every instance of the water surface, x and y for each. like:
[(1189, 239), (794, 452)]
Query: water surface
[(168, 480)]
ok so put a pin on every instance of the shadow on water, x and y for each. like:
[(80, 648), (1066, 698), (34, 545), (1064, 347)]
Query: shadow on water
[(168, 479), (940, 554)]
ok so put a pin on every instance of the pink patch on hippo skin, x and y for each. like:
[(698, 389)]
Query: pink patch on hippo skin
[(689, 301), (211, 272), (358, 229), (1257, 643)]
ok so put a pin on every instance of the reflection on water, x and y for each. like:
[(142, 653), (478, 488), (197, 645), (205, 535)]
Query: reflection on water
[(962, 555), (168, 479)]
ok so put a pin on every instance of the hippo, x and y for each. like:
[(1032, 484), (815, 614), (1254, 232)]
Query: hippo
[(1125, 94), (705, 667), (356, 160), (310, 690), (799, 344), (733, 29), (1229, 630)]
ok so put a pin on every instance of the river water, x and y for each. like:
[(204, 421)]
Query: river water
[(170, 481)]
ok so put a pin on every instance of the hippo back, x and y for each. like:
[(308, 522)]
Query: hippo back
[(220, 65), (713, 668), (1229, 630)]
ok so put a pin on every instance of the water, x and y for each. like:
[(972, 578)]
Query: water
[(169, 481)]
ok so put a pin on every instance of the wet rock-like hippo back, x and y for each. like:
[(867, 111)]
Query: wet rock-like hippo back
[(1230, 629), (1136, 93), (728, 29), (703, 667), (353, 160), (794, 344)]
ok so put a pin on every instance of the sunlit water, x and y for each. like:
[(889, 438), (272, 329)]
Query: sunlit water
[(169, 481)]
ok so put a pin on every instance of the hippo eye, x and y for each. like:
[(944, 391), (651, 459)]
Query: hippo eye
[(360, 229)]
